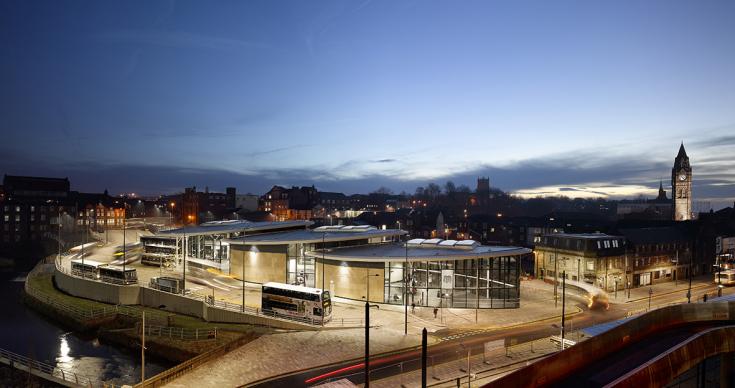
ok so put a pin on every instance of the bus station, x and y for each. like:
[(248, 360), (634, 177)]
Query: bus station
[(307, 270)]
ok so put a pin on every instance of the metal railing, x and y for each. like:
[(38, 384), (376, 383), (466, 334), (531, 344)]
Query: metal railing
[(245, 309), (179, 332), (45, 370), (188, 365)]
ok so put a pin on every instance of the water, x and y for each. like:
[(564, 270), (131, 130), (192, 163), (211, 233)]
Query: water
[(28, 333)]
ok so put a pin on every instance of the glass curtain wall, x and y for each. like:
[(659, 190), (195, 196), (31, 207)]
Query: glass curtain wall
[(300, 269), (483, 283)]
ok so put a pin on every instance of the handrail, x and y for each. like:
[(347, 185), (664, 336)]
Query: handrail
[(15, 360), (179, 332), (186, 366)]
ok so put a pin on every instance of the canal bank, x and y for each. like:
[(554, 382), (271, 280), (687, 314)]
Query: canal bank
[(33, 335), (171, 338)]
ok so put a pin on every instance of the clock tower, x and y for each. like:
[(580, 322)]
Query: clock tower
[(681, 186)]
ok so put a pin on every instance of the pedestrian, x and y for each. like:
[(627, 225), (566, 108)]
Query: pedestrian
[(436, 311), (413, 307)]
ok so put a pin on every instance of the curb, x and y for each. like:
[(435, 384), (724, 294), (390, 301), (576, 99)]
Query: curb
[(663, 294)]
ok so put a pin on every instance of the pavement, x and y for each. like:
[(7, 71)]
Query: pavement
[(280, 353)]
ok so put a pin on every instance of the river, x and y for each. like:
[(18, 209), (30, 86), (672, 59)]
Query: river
[(26, 332)]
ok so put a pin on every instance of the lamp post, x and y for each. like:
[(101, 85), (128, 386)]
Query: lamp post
[(405, 292), (563, 305), (650, 294), (324, 248)]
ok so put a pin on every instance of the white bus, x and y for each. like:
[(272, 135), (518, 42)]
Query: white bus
[(726, 277), (297, 302), (86, 268), (118, 275)]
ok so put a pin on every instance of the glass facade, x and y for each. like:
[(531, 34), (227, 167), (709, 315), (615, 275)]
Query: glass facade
[(483, 283), (300, 269)]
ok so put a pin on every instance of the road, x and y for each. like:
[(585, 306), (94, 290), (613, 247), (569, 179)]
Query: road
[(451, 340)]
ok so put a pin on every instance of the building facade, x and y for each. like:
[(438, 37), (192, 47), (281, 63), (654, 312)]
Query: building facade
[(370, 264), (594, 258)]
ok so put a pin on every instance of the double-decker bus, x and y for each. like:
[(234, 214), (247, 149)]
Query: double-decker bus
[(297, 302)]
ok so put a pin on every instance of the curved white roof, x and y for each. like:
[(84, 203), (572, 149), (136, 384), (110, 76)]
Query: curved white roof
[(397, 252)]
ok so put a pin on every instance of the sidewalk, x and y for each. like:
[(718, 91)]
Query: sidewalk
[(281, 353), (536, 304), (642, 293)]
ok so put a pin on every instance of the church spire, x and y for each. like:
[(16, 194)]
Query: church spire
[(661, 192), (682, 151)]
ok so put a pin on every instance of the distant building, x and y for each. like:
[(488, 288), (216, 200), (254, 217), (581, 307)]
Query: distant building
[(479, 202), (655, 209), (594, 258), (198, 207), (246, 202), (681, 186), (30, 207), (295, 203), (656, 255)]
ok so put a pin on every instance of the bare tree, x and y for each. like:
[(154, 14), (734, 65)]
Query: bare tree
[(450, 187), (383, 190)]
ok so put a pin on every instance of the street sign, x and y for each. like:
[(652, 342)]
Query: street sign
[(718, 245)]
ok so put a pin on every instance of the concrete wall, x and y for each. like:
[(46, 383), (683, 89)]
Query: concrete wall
[(135, 295), (103, 292), (268, 264), (214, 314), (351, 279), (172, 302)]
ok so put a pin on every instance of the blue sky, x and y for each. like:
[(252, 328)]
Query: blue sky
[(543, 97)]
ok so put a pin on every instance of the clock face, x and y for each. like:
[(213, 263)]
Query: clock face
[(682, 177)]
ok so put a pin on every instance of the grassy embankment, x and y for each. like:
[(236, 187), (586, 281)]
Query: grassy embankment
[(121, 330)]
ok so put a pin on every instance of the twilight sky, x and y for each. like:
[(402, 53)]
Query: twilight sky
[(580, 98)]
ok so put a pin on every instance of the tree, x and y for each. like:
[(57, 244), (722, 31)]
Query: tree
[(383, 190), (433, 190), (420, 192), (450, 187), (464, 189)]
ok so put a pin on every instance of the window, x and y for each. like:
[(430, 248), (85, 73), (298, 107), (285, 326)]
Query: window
[(7, 218), (599, 246), (33, 208), (607, 243)]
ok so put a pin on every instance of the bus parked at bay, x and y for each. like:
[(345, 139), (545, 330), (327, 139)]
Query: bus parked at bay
[(297, 302), (86, 268), (107, 273)]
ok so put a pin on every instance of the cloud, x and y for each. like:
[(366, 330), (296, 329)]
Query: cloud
[(179, 39)]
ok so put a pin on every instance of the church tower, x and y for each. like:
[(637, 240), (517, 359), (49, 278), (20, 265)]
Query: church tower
[(681, 186)]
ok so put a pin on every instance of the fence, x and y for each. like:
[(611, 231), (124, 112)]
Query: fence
[(46, 371), (179, 332), (186, 366)]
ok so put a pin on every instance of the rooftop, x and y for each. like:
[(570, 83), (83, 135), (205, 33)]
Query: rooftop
[(399, 252), (586, 236), (317, 235), (222, 227)]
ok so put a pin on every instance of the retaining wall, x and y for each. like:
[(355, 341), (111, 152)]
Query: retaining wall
[(171, 302), (136, 295), (102, 292)]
